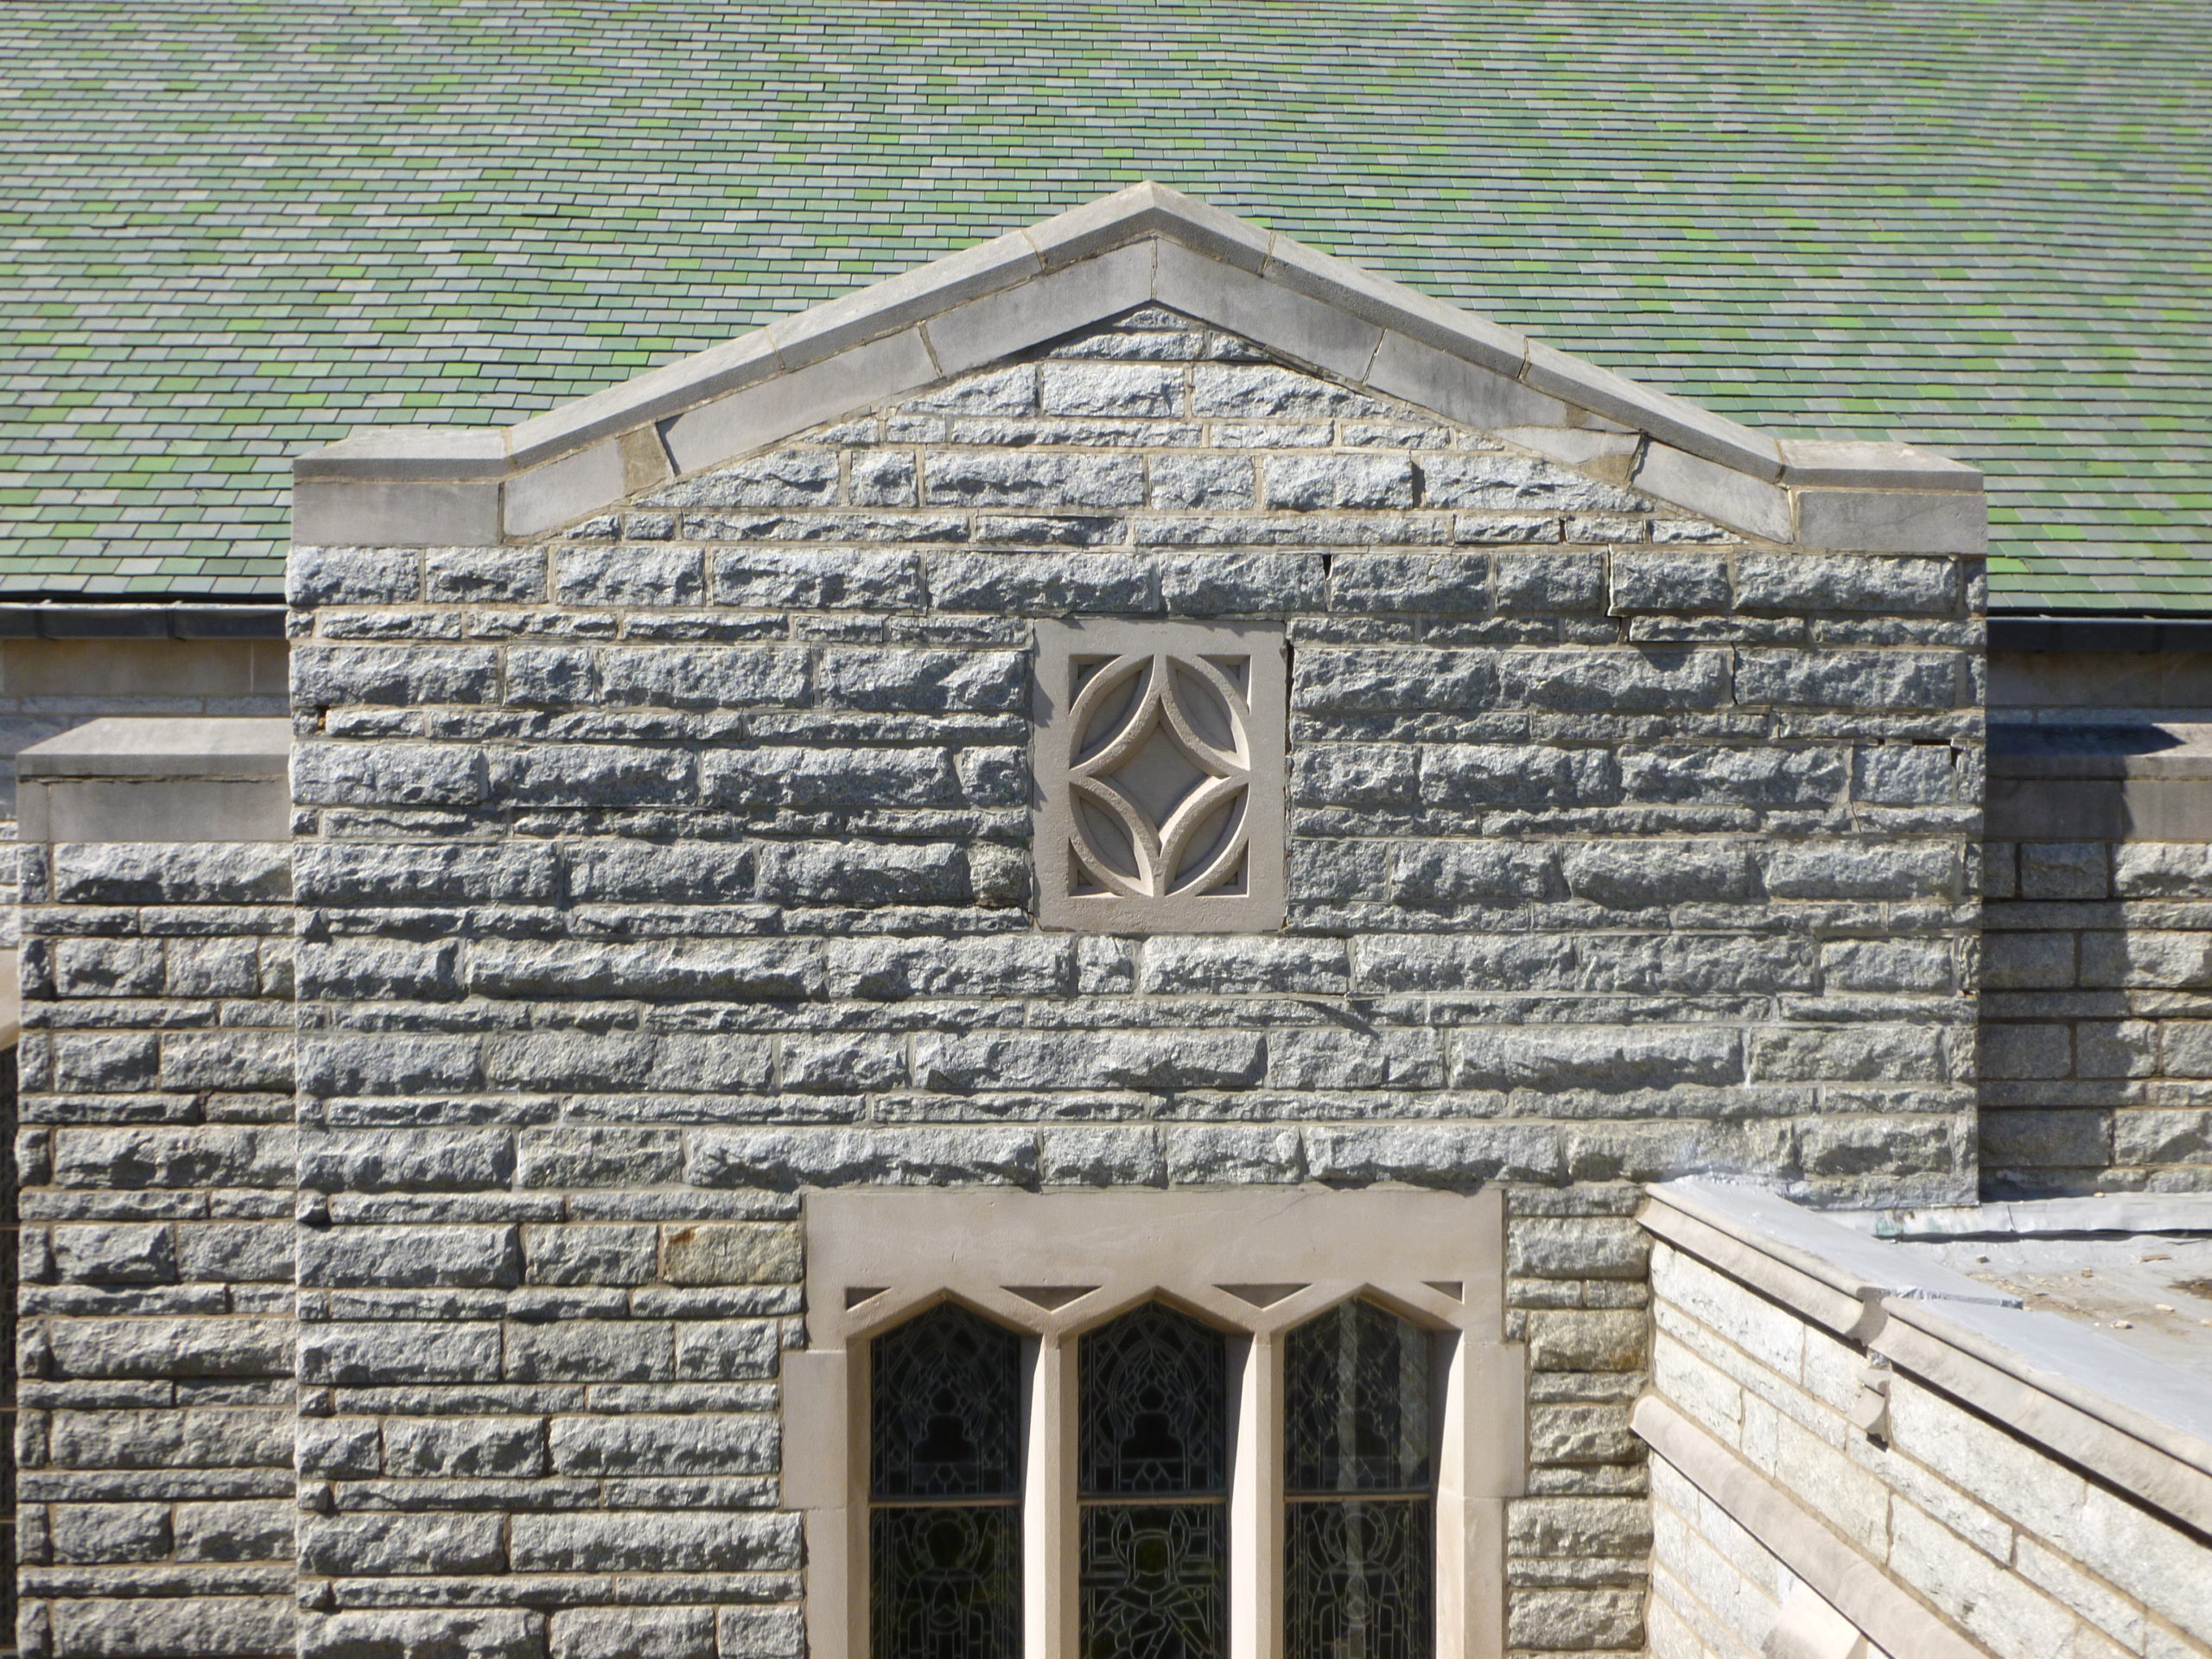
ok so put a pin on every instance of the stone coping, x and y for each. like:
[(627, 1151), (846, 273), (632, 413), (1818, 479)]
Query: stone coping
[(164, 747), (2145, 1426), (1823, 1251), (2160, 749), (2128, 1214), (449, 485)]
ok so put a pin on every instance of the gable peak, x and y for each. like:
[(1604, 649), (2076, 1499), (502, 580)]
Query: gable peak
[(1145, 243)]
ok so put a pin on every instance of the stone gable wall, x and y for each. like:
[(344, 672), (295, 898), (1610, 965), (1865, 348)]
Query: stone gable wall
[(650, 873)]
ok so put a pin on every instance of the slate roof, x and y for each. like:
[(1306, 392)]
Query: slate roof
[(243, 228)]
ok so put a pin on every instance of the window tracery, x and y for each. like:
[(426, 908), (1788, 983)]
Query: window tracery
[(1160, 757), (1154, 1426)]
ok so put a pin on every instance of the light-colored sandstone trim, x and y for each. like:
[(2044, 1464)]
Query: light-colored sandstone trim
[(1055, 1265), (1160, 681), (179, 778), (475, 485), (2167, 1468), (1891, 1616), (1802, 1259), (2142, 1426)]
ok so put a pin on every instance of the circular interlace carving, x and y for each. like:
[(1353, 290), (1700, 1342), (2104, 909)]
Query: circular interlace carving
[(1161, 777)]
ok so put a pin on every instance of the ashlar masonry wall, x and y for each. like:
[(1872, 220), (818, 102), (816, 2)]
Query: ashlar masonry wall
[(2096, 1069), (651, 871), (154, 1438)]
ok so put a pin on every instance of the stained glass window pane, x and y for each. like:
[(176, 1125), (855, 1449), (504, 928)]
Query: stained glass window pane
[(1151, 1444), (1355, 1403), (945, 1581), (944, 1468), (1154, 1416), (1359, 1578), (1155, 1580), (946, 1394)]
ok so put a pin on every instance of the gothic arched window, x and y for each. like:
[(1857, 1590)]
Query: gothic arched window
[(1359, 1483), (1152, 1456), (945, 1483)]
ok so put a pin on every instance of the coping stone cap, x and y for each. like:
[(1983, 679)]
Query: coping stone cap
[(2161, 1405), (1875, 496), (1149, 209), (409, 452), (164, 747), (1871, 464), (1859, 1267), (2132, 1215)]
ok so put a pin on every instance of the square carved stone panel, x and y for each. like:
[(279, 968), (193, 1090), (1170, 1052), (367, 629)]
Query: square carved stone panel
[(1158, 765)]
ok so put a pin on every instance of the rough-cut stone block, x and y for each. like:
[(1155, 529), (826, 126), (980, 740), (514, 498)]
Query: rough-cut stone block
[(352, 1546), (782, 1159), (1455, 1155), (423, 1633), (760, 1633), (1597, 1058), (654, 1541), (633, 1633)]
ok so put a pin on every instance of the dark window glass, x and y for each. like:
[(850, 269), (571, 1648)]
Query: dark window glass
[(947, 1581), (1151, 1449), (1359, 1537), (944, 1455), (947, 1393)]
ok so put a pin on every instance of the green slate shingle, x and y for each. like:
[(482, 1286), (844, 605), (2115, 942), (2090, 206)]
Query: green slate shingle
[(242, 228)]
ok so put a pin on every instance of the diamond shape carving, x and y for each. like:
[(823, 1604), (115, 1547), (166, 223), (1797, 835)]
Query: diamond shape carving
[(1159, 761)]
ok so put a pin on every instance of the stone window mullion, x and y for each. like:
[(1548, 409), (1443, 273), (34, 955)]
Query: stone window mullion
[(1255, 1519), (1051, 1516)]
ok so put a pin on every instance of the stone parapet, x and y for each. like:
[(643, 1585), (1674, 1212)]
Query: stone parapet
[(1942, 1473)]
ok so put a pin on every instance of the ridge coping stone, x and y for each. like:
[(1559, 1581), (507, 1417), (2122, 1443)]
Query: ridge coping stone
[(1147, 210)]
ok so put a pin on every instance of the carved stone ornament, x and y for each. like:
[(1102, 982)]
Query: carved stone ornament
[(1159, 767)]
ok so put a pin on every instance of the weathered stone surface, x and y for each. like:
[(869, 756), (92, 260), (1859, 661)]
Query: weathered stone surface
[(650, 1444), (352, 1545), (207, 1627), (253, 1530), (646, 1540), (634, 1633), (760, 1633), (425, 1633), (781, 1159), (1597, 1058), (1114, 1060), (438, 1448), (737, 1253)]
